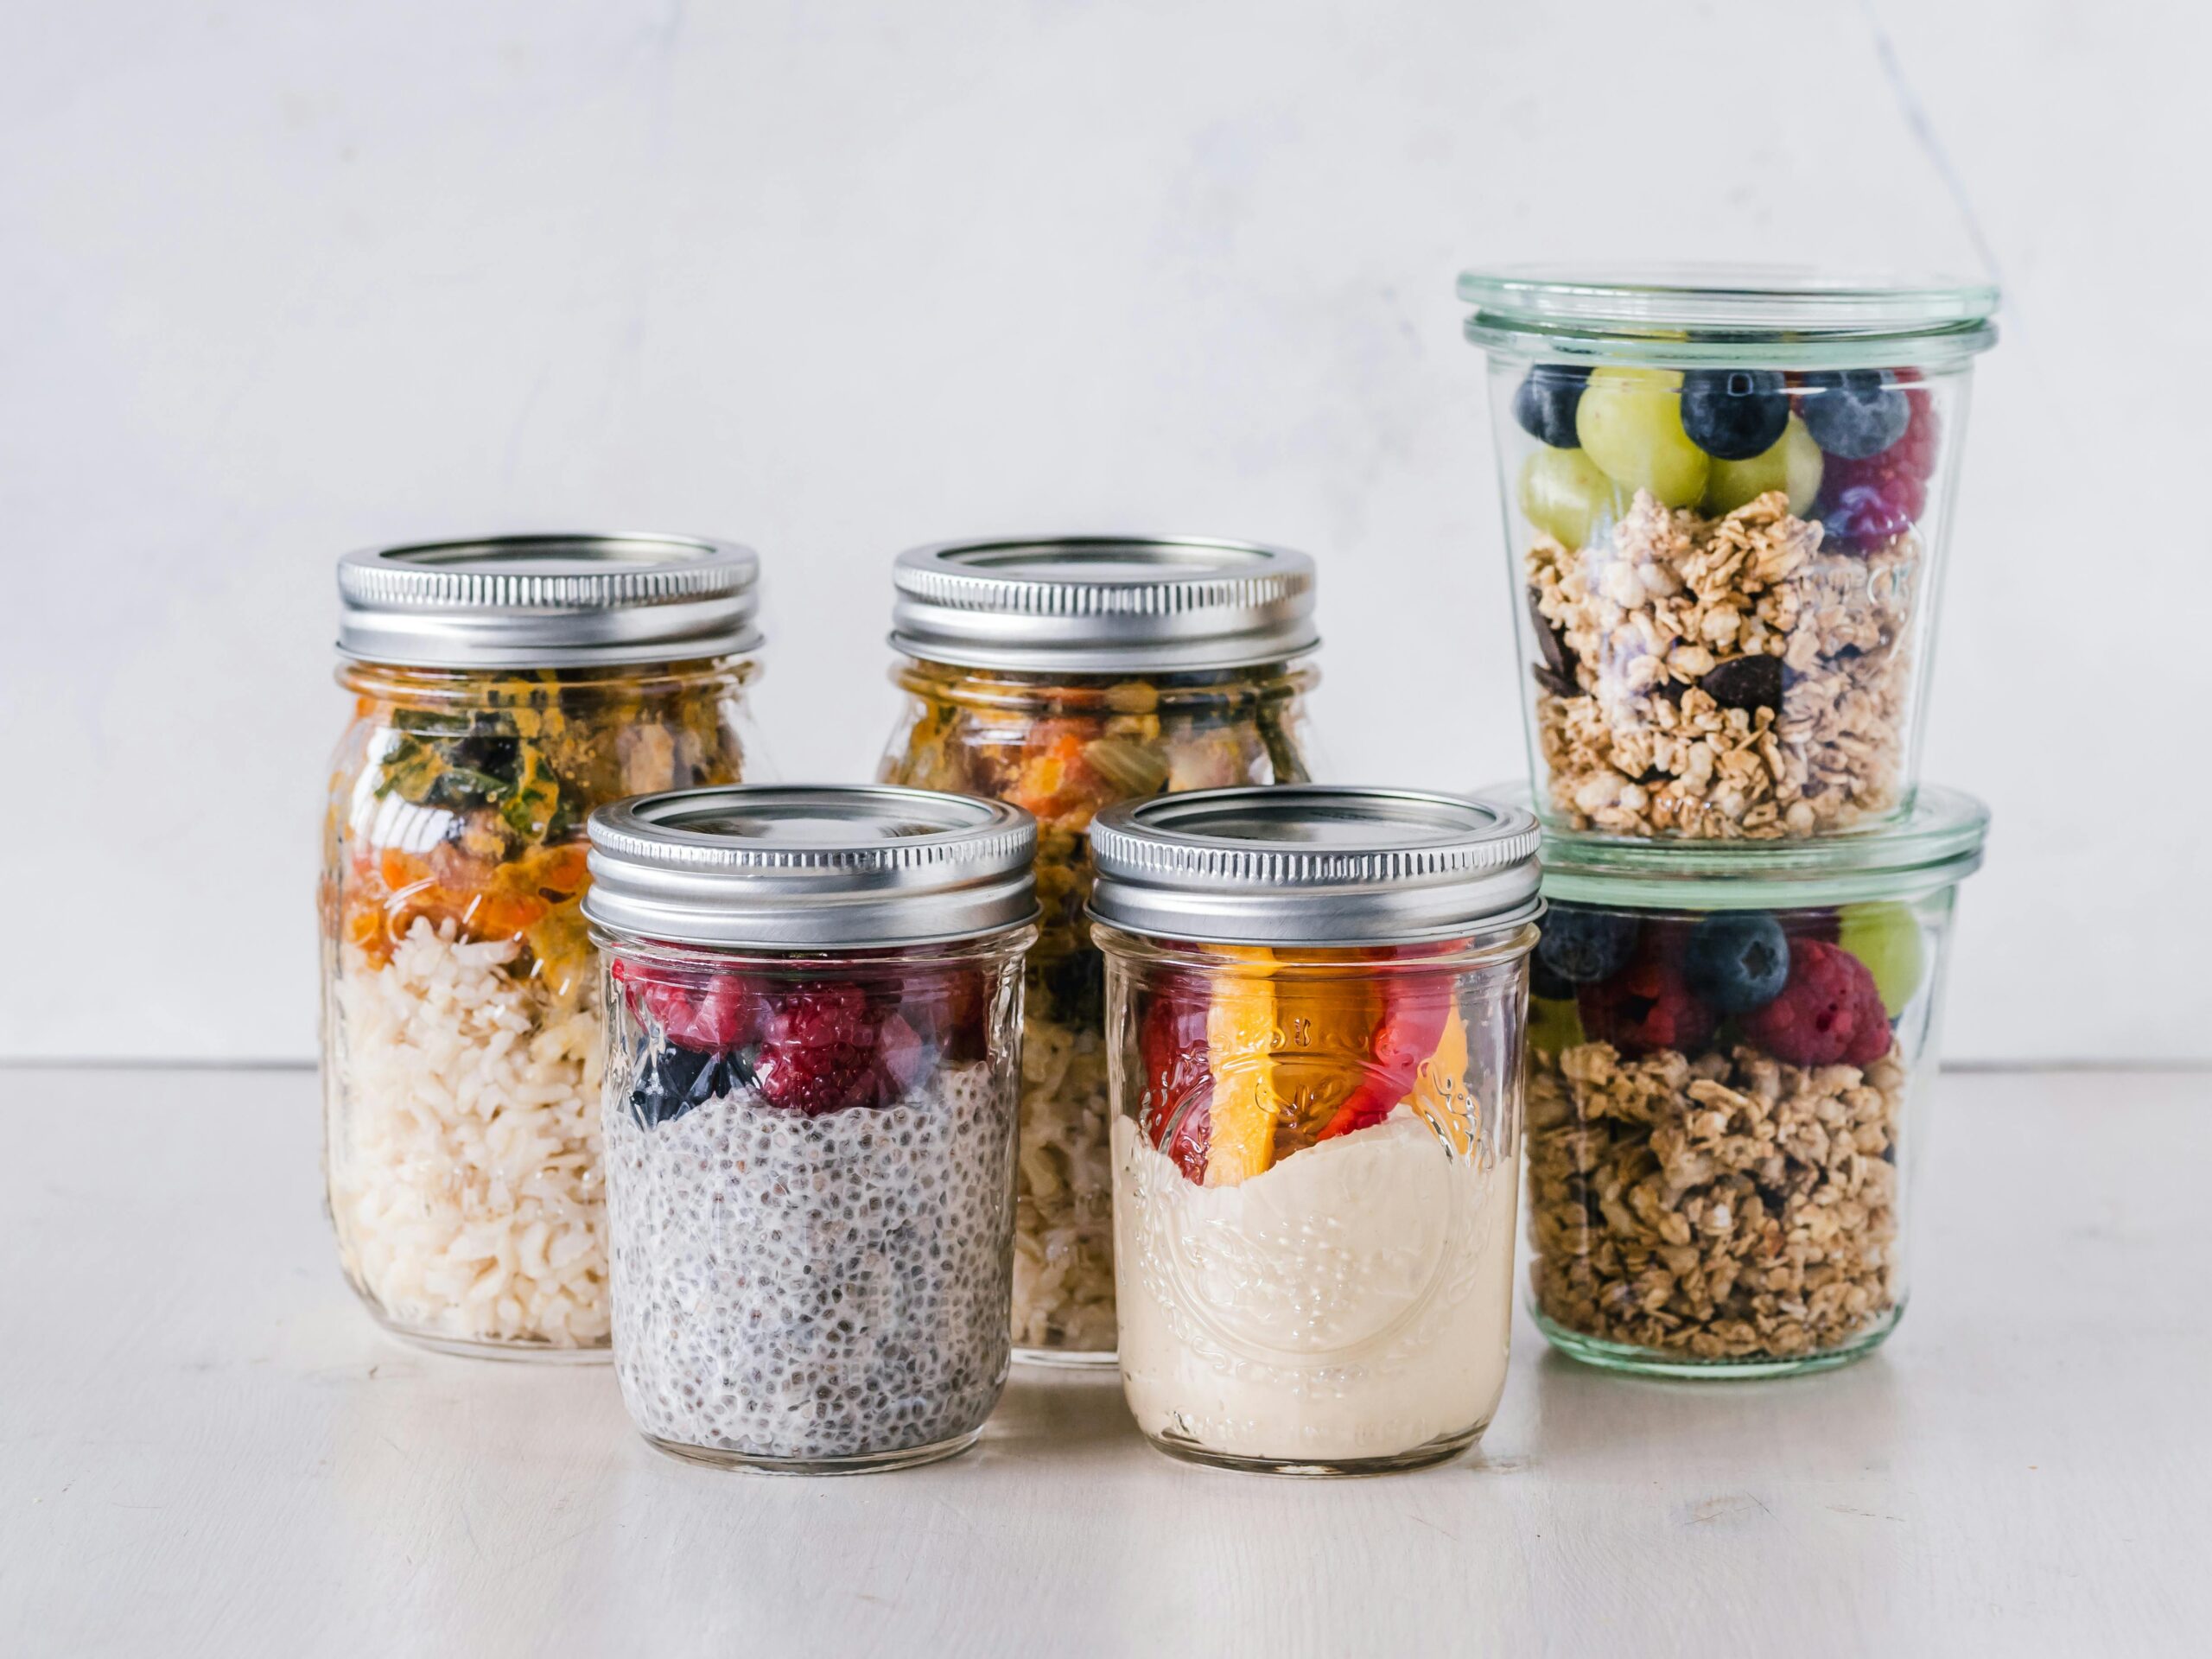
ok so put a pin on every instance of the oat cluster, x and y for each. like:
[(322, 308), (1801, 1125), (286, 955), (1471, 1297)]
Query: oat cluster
[(1729, 1207), (1722, 678)]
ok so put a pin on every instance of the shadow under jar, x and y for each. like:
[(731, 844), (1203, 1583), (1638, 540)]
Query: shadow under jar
[(1316, 1000), (812, 1048), (1730, 1052), (1727, 498), (1063, 676), (503, 690)]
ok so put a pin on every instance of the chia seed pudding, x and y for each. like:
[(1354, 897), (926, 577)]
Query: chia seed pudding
[(814, 1287), (810, 1091)]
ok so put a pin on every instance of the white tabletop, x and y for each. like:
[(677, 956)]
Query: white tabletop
[(206, 1447)]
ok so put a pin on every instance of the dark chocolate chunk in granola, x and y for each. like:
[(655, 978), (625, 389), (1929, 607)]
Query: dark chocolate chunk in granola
[(1744, 683), (1556, 656)]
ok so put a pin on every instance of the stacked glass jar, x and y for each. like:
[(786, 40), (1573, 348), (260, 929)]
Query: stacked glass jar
[(1065, 675), (1727, 497), (502, 690)]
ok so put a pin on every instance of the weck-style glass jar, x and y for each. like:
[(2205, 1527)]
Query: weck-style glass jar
[(1316, 1002), (1732, 1055), (813, 1004), (502, 690), (1062, 676), (1726, 499)]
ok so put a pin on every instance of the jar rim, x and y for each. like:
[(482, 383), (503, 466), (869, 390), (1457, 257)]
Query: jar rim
[(1687, 315), (1937, 842)]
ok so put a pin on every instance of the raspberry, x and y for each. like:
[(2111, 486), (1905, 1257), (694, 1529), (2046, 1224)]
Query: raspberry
[(1829, 1010), (818, 1050), (705, 1012), (1865, 503), (1649, 1004)]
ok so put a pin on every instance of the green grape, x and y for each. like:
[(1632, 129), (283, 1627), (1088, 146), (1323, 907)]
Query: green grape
[(1631, 424), (1886, 936), (1566, 495), (1554, 1027), (1792, 464)]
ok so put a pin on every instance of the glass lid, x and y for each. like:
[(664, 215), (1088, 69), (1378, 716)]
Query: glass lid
[(1775, 316)]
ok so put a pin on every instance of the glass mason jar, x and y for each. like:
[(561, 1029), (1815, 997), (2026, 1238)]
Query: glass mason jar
[(502, 690), (1065, 675), (1730, 1055), (812, 1052), (1726, 495), (1316, 1000)]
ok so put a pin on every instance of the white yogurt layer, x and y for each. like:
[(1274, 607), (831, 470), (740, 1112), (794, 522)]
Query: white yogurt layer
[(1353, 1301)]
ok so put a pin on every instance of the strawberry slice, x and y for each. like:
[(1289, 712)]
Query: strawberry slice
[(1177, 1100)]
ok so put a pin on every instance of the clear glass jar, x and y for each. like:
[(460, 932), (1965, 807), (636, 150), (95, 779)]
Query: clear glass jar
[(1727, 498), (1316, 1139), (461, 1013), (1730, 1056), (813, 1057), (1065, 677)]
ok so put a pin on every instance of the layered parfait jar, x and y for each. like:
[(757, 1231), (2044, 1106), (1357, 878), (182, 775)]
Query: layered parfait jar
[(1727, 497), (1065, 675), (1316, 1000), (812, 1048), (502, 690), (1731, 1052)]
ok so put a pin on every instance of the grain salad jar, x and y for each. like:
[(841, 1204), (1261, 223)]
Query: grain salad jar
[(1063, 675), (1316, 1000), (1732, 1055), (1726, 499), (502, 690), (812, 1051)]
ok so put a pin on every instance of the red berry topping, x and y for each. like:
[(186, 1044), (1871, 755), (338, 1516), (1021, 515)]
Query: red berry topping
[(698, 1010), (1178, 1081), (949, 1007), (819, 1048), (1865, 503), (1829, 1010), (1649, 1004)]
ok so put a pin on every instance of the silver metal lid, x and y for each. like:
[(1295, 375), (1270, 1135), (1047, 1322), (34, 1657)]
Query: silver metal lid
[(548, 601), (809, 867), (1306, 864), (1103, 604)]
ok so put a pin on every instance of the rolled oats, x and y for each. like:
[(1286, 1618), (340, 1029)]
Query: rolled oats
[(1725, 1207), (1673, 727)]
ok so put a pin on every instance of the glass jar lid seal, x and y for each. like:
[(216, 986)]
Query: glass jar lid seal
[(548, 601), (1760, 316), (1937, 842), (807, 867), (1103, 604), (1312, 865)]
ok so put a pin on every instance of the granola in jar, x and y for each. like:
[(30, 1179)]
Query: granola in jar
[(1726, 502), (1065, 677), (1729, 1067)]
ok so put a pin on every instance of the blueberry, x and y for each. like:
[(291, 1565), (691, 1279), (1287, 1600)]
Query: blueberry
[(1738, 960), (1546, 401), (1734, 413), (1855, 413), (673, 1080), (1543, 982), (1583, 946)]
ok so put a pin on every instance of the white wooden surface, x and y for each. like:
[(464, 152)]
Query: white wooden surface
[(206, 1448)]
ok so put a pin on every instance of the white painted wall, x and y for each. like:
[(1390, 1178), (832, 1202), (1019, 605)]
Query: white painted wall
[(277, 279)]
